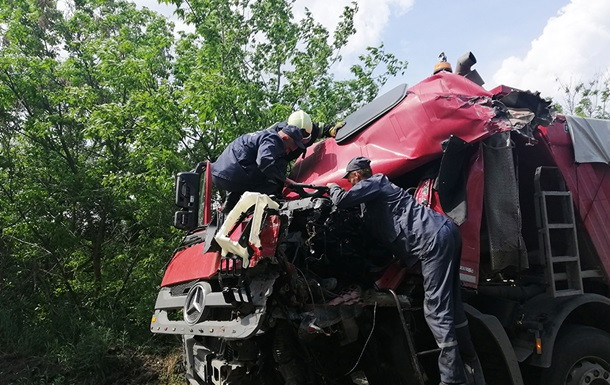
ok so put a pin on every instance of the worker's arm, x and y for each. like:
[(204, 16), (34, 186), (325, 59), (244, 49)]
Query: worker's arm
[(270, 158), (362, 192)]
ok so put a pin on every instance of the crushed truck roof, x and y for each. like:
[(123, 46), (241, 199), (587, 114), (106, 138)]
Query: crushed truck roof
[(401, 132)]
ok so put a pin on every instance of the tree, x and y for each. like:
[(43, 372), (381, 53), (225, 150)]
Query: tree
[(89, 142), (587, 99), (100, 105), (249, 64)]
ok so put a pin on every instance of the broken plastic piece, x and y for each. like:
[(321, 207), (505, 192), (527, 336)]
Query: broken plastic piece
[(248, 199)]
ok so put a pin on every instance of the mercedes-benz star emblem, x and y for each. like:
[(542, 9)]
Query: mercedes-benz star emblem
[(195, 304)]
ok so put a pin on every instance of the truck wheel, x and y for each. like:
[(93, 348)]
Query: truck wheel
[(580, 356)]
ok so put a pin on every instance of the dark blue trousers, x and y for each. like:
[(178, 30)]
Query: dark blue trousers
[(443, 307)]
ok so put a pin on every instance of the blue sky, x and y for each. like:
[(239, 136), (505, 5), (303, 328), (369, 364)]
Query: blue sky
[(527, 44), (491, 29)]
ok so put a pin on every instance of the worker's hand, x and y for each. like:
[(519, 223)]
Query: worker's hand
[(289, 182), (331, 185), (332, 132)]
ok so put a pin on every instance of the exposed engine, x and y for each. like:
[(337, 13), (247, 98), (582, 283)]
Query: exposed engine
[(306, 307)]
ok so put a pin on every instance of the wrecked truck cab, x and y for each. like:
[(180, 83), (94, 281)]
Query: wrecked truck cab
[(311, 303), (434, 132)]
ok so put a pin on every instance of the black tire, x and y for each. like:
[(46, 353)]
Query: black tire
[(580, 356)]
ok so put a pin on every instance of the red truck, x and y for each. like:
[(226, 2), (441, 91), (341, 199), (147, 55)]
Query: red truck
[(290, 290)]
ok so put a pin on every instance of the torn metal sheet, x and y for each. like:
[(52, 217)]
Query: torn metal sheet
[(520, 117), (514, 100), (411, 133)]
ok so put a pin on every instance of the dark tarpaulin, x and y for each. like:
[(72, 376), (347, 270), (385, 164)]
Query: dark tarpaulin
[(590, 138)]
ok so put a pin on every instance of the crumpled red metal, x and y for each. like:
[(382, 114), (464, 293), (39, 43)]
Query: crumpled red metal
[(410, 134)]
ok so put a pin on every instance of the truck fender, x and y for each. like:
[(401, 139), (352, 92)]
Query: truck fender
[(490, 338), (584, 309)]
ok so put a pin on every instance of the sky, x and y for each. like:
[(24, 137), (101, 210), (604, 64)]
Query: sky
[(526, 44)]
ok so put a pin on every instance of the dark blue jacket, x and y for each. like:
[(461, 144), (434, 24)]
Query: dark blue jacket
[(252, 160), (392, 215)]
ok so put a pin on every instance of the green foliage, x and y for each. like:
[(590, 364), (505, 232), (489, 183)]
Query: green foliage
[(249, 64), (587, 99), (100, 106), (89, 147)]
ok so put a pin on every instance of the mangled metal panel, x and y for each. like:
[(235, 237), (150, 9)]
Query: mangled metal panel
[(526, 110), (411, 133)]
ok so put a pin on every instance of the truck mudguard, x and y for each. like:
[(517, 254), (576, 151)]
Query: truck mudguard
[(586, 309), (487, 332)]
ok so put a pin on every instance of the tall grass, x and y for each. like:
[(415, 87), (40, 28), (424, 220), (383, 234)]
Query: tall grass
[(62, 348)]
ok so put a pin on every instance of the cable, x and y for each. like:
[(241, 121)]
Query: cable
[(313, 302), (366, 342)]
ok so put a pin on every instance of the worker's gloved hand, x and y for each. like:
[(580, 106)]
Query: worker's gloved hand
[(330, 185), (288, 182), (330, 129), (333, 130)]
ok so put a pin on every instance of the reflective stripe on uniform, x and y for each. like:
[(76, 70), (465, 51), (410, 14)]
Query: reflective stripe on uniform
[(443, 345)]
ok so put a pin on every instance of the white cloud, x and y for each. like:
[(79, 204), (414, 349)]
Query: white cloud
[(369, 22), (573, 47)]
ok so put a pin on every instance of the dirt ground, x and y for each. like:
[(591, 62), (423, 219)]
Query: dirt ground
[(130, 369)]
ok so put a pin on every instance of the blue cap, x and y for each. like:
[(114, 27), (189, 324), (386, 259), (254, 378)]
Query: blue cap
[(295, 133), (358, 163)]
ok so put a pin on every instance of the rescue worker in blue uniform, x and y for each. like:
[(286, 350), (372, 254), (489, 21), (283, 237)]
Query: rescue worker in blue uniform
[(418, 234), (309, 130), (256, 162)]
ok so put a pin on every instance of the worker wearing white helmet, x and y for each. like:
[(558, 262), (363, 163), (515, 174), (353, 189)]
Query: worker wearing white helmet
[(301, 120), (311, 130), (258, 161)]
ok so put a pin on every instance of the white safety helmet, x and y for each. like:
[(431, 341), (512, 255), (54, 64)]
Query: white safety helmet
[(302, 120)]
